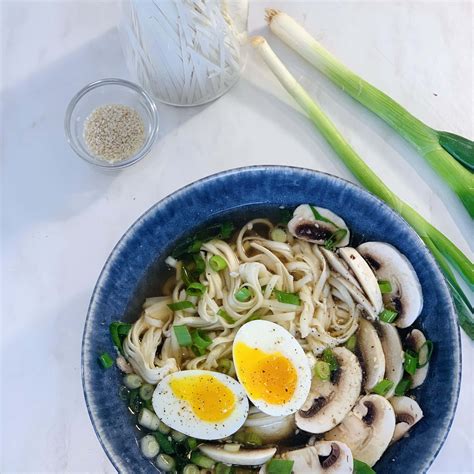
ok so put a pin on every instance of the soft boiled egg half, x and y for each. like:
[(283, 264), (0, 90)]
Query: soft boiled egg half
[(272, 367), (200, 403)]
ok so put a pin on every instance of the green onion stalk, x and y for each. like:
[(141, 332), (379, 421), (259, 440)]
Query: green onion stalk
[(441, 247), (450, 155)]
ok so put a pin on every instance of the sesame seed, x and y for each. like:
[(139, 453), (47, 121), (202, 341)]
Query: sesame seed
[(114, 132)]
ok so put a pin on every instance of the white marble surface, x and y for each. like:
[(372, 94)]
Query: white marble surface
[(61, 217)]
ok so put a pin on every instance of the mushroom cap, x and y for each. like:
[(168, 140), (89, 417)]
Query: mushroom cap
[(243, 457), (328, 403), (325, 457), (367, 429), (393, 352), (391, 265), (305, 226), (407, 414), (415, 341), (364, 275), (371, 351)]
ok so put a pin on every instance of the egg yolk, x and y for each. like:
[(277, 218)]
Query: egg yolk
[(267, 376), (208, 397)]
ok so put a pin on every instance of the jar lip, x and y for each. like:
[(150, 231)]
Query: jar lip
[(204, 77)]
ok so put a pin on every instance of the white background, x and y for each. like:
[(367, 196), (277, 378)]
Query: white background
[(61, 216)]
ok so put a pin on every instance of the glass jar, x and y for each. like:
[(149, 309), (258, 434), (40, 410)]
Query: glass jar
[(184, 52)]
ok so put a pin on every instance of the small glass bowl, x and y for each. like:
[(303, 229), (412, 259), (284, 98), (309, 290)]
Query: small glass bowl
[(103, 92)]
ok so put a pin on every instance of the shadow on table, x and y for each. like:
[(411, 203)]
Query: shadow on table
[(43, 180)]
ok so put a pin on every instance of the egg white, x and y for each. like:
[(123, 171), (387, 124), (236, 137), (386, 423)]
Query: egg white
[(270, 337), (178, 414)]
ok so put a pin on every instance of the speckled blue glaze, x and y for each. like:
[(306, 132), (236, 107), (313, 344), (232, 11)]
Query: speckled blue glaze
[(130, 274)]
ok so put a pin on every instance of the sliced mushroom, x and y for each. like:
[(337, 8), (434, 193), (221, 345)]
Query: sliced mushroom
[(407, 413), (338, 265), (270, 428), (415, 341), (242, 457), (305, 226), (329, 401), (367, 429), (323, 458), (364, 275), (391, 265), (371, 352), (393, 352)]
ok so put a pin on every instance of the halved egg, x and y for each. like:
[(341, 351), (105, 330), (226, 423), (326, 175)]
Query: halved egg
[(201, 403), (272, 367)]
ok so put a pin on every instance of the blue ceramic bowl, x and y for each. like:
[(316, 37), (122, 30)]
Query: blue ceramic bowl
[(130, 275)]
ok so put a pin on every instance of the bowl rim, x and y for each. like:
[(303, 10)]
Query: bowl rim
[(263, 168), (150, 104)]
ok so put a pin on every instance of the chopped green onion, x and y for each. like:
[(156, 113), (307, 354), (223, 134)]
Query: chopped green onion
[(149, 446), (254, 317), (200, 339), (106, 361), (148, 404), (322, 370), (195, 246), (132, 381), (135, 403), (202, 461), (200, 264), (253, 439), (191, 469), (196, 289), (186, 276), (217, 263), (222, 469), (280, 466), (146, 391), (163, 429), (385, 287), (383, 387), (351, 343), (180, 305), (330, 358), (165, 462), (402, 387), (410, 362), (424, 354), (319, 217), (239, 437), (178, 436), (278, 235), (243, 294), (224, 365), (388, 315), (335, 238), (225, 230), (118, 331), (362, 468), (288, 298), (285, 216), (183, 335), (225, 316), (165, 444), (191, 443), (441, 247)]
